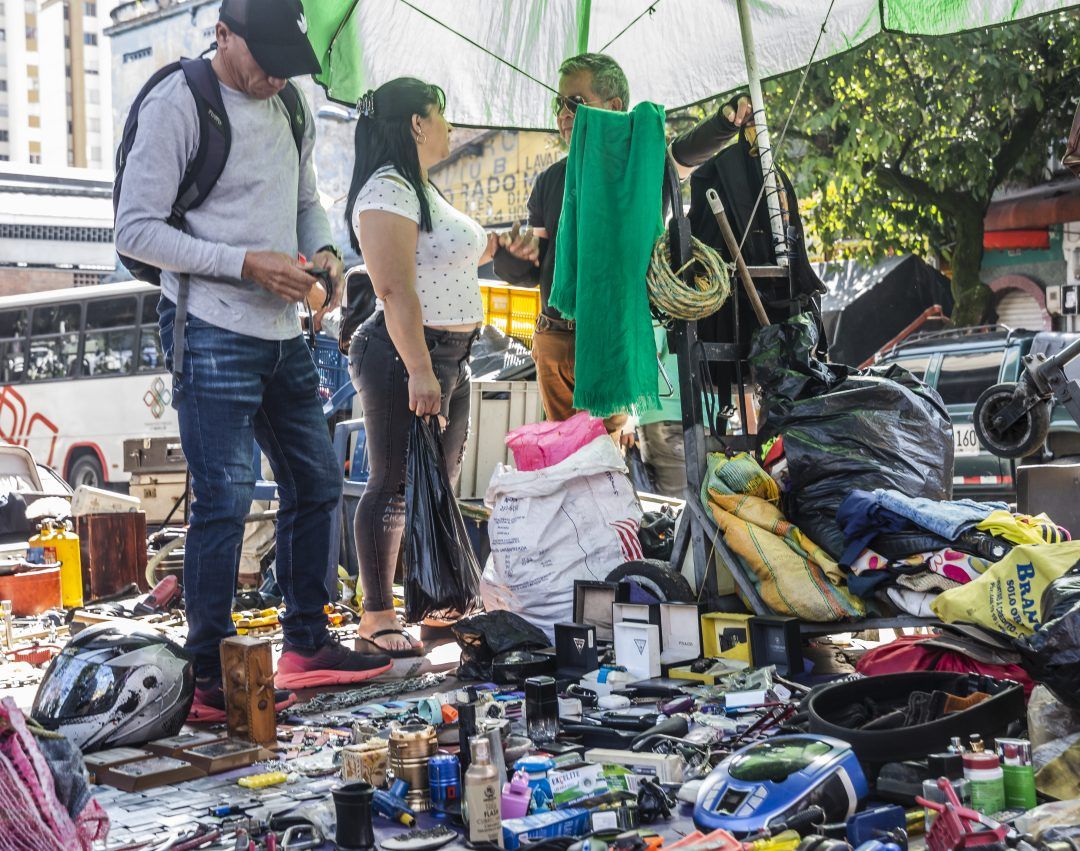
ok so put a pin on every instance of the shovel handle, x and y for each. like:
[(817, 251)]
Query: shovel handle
[(717, 208)]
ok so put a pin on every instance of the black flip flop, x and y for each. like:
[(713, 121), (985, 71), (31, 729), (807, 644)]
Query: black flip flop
[(412, 651)]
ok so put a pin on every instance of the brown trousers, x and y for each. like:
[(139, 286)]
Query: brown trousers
[(553, 352)]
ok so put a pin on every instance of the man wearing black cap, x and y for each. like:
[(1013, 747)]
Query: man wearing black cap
[(243, 371)]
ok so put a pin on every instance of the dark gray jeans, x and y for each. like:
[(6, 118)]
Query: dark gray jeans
[(383, 384)]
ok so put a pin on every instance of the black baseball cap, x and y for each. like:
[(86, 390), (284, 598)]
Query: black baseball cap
[(276, 35)]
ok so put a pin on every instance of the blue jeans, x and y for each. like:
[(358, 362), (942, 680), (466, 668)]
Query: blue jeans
[(235, 390)]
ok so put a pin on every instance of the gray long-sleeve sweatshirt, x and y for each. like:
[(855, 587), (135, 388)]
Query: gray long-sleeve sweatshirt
[(265, 200)]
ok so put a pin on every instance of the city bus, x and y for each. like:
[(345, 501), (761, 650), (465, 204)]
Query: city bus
[(81, 371)]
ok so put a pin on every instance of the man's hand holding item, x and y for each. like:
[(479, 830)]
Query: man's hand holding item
[(279, 273), (525, 245), (318, 301), (708, 137), (332, 263)]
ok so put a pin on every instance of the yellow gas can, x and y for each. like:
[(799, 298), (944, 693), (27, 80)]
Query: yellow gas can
[(58, 544)]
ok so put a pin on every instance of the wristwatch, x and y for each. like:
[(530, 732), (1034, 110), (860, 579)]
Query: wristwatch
[(333, 249)]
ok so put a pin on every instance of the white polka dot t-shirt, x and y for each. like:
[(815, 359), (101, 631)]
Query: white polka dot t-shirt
[(446, 258)]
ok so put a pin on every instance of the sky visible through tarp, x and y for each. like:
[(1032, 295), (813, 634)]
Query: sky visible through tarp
[(674, 52)]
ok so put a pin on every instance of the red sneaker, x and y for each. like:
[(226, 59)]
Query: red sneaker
[(330, 665), (209, 704)]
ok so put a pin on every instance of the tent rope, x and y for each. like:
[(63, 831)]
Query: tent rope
[(479, 46), (648, 11)]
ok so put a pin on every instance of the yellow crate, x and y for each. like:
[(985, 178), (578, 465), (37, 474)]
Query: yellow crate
[(513, 310)]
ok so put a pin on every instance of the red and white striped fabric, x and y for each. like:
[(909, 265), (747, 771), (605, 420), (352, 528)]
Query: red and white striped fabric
[(627, 530)]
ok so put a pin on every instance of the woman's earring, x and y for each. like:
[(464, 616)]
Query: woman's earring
[(421, 137)]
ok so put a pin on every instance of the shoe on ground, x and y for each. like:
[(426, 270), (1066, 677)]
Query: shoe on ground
[(209, 704), (332, 664)]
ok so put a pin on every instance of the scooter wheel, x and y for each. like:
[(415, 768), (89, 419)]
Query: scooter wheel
[(1022, 438)]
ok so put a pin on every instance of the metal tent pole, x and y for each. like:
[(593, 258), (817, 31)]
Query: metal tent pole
[(772, 196)]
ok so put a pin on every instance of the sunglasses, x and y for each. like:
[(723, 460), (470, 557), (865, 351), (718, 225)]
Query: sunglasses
[(570, 104)]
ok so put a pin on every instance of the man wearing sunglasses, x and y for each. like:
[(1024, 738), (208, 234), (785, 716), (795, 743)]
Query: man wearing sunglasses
[(527, 257)]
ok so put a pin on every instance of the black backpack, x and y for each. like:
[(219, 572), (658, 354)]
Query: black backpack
[(215, 140)]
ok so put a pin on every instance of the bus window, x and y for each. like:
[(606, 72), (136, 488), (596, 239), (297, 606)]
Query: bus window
[(109, 348), (12, 345), (150, 356), (54, 342)]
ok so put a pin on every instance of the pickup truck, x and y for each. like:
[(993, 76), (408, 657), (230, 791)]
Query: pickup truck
[(960, 364)]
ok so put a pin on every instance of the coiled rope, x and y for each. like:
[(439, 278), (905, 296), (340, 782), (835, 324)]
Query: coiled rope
[(710, 288)]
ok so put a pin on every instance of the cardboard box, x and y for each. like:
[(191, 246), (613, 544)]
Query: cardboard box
[(148, 773), (710, 673), (637, 648), (174, 745), (575, 650), (726, 635), (776, 640), (592, 605), (216, 757), (101, 760), (680, 633)]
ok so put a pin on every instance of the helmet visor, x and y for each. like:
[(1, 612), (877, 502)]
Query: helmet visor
[(74, 688)]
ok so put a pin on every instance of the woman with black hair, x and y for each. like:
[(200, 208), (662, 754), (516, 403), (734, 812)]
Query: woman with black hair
[(411, 358)]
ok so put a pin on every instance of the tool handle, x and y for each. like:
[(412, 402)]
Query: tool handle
[(717, 207)]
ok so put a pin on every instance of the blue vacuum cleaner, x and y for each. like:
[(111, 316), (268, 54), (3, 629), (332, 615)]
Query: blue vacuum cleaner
[(767, 782)]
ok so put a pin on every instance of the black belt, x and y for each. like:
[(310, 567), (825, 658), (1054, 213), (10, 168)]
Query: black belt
[(549, 323)]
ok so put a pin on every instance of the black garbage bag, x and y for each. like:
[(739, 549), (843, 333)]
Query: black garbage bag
[(1052, 654), (845, 428), (497, 357), (442, 577), (485, 636)]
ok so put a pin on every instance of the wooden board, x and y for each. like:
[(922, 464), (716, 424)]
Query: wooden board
[(113, 551)]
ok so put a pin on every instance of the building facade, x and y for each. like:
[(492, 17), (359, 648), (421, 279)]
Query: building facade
[(56, 228), (55, 85)]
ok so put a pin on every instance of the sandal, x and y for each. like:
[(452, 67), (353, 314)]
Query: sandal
[(414, 650)]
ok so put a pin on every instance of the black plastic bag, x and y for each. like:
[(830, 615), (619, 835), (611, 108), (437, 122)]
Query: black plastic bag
[(497, 357), (845, 429), (1052, 653), (1061, 595), (442, 577), (485, 636)]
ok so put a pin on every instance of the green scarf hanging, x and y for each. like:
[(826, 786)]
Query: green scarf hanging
[(611, 218)]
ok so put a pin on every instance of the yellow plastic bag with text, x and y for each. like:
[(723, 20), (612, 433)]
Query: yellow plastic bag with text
[(1007, 598)]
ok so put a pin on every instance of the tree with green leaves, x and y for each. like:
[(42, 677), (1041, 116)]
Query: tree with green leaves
[(899, 145)]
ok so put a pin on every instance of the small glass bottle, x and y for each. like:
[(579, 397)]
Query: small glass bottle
[(950, 766), (975, 743)]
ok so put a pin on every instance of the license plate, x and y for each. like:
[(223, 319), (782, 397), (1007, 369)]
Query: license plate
[(965, 440)]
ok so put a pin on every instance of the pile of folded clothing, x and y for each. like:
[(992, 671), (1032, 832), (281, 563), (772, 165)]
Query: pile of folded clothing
[(901, 551)]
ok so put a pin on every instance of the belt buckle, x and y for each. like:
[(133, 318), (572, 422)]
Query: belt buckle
[(571, 324)]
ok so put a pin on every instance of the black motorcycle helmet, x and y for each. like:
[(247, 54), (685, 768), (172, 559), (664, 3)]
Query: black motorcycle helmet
[(116, 684)]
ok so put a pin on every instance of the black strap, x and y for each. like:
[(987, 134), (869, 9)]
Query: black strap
[(294, 108)]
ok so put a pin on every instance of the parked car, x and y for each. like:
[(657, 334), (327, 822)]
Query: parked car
[(960, 364)]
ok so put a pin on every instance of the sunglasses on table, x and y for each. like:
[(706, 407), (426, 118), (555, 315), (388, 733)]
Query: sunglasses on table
[(571, 104)]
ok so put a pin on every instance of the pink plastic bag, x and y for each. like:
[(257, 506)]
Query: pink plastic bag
[(539, 445)]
